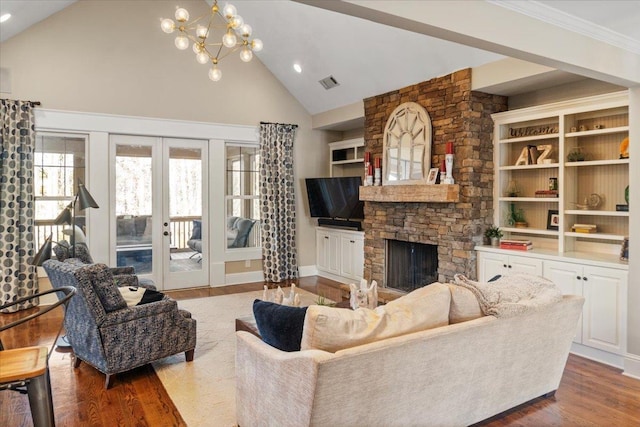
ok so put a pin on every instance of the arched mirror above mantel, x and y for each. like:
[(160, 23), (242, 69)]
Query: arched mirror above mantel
[(407, 145)]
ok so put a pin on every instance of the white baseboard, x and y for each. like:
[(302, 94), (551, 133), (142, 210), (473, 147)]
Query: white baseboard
[(307, 270), (598, 355), (248, 277), (632, 366)]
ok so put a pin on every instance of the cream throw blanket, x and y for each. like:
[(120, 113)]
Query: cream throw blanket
[(512, 295)]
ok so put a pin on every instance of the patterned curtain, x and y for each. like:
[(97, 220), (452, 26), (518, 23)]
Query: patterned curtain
[(17, 203), (278, 202)]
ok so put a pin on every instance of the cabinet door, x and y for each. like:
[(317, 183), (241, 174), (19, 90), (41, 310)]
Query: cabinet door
[(327, 251), (520, 264), (490, 265), (605, 309), (352, 257), (568, 277)]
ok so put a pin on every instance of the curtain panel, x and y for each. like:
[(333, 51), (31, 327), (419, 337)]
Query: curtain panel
[(17, 138), (278, 202)]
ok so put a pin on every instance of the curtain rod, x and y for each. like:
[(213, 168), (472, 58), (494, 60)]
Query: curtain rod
[(34, 103), (271, 123)]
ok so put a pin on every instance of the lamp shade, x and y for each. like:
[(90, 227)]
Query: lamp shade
[(45, 251), (64, 217), (84, 198)]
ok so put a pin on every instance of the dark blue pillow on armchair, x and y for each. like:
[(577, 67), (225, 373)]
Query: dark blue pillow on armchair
[(280, 326)]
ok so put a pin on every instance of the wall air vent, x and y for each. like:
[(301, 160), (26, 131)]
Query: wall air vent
[(329, 82)]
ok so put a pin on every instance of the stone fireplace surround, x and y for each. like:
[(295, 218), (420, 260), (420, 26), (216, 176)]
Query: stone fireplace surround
[(459, 115)]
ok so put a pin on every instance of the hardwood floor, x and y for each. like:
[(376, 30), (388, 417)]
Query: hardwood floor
[(590, 394)]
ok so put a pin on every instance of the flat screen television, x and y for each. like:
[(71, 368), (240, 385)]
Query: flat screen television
[(335, 198)]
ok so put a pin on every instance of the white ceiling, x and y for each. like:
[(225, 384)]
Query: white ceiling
[(368, 58)]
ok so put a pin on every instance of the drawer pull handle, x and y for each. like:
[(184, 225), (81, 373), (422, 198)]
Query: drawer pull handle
[(579, 278)]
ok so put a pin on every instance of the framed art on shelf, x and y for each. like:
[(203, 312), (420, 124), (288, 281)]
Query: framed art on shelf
[(553, 220)]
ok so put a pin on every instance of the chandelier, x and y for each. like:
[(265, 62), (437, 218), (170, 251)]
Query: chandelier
[(236, 36)]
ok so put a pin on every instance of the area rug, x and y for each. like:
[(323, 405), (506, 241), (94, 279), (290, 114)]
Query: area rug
[(204, 390)]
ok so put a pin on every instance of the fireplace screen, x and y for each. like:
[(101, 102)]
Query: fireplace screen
[(410, 265)]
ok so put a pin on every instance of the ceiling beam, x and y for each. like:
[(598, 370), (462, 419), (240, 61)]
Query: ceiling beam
[(487, 26)]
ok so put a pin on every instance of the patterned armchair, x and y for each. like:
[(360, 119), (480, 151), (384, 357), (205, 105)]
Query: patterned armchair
[(110, 336)]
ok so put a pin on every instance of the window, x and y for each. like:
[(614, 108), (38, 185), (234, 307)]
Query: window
[(242, 196), (59, 163)]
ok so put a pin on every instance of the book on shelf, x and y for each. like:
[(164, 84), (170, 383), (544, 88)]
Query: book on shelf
[(584, 228), (516, 246), (547, 193), (516, 241)]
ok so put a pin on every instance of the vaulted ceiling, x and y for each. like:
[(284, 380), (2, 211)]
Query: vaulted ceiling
[(365, 57)]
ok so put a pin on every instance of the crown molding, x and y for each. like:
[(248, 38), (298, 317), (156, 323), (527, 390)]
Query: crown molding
[(558, 18)]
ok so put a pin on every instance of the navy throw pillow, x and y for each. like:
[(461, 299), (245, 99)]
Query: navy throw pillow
[(280, 326)]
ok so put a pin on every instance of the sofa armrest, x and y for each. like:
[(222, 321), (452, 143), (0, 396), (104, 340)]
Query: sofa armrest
[(273, 385)]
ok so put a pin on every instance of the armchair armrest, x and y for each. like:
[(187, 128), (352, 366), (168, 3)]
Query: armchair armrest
[(140, 311), (126, 280), (122, 270)]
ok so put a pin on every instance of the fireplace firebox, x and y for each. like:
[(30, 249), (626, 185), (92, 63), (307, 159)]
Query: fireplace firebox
[(410, 265)]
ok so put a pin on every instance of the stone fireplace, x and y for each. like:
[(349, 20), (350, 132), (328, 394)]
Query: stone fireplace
[(463, 117)]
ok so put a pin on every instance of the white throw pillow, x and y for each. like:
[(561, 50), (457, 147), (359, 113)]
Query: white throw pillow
[(332, 329)]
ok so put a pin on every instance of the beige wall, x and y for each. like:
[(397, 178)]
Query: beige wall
[(111, 57)]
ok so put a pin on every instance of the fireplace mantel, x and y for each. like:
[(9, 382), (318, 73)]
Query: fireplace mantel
[(436, 193)]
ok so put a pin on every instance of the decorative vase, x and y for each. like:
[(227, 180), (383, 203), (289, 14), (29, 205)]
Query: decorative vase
[(495, 241)]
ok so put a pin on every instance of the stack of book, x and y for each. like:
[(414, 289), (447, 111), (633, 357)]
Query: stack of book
[(584, 228), (518, 244), (547, 193)]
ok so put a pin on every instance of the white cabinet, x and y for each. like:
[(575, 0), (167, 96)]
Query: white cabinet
[(602, 281), (492, 264), (340, 254), (603, 322)]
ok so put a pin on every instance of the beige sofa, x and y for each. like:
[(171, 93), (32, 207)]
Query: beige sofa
[(452, 375)]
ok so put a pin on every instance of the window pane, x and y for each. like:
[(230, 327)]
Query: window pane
[(59, 165), (243, 190)]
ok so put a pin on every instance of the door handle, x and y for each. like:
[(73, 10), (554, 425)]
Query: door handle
[(166, 233)]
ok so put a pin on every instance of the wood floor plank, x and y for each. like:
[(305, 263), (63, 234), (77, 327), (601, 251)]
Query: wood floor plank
[(590, 394)]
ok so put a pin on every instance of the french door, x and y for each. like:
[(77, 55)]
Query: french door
[(159, 221)]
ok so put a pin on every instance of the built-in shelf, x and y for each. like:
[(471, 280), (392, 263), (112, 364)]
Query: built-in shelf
[(436, 193)]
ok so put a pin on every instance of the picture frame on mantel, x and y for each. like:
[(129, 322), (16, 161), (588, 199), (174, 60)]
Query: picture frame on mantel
[(432, 176)]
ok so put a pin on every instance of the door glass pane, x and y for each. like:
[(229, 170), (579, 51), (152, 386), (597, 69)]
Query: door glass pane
[(185, 209), (134, 207)]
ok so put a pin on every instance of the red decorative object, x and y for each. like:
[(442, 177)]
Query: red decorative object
[(367, 156), (449, 147), (370, 171), (442, 166), (378, 162)]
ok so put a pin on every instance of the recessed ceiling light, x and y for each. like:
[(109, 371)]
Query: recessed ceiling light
[(297, 68), (5, 17)]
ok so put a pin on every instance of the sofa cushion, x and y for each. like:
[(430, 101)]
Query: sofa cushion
[(126, 226), (332, 329), (280, 326), (464, 305), (109, 295)]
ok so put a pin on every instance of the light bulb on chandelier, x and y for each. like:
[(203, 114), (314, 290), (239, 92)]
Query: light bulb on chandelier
[(234, 35)]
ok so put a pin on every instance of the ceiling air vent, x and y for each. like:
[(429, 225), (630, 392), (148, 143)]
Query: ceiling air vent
[(329, 82)]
